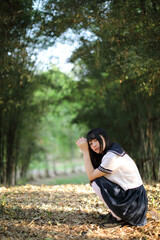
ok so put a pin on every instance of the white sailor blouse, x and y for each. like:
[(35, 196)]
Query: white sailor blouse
[(120, 168)]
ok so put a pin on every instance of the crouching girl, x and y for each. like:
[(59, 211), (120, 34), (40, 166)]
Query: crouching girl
[(114, 177)]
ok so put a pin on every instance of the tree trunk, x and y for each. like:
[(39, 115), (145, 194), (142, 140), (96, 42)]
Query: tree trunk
[(1, 147), (10, 159), (143, 7), (2, 144), (153, 153)]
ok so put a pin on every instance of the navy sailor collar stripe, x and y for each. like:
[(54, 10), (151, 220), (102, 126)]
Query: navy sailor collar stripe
[(117, 149)]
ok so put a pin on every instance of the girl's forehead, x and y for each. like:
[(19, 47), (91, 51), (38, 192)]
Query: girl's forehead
[(92, 140)]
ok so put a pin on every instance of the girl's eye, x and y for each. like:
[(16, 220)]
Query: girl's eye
[(93, 141)]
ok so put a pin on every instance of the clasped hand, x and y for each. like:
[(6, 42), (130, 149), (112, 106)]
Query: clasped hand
[(82, 144)]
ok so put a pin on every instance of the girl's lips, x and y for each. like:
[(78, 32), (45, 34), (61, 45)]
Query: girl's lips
[(97, 149)]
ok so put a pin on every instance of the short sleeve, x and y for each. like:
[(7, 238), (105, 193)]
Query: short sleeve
[(108, 164)]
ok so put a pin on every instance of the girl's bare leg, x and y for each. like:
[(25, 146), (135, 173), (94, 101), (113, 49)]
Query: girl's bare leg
[(98, 192)]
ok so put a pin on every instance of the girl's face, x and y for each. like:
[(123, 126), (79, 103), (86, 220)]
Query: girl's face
[(95, 145)]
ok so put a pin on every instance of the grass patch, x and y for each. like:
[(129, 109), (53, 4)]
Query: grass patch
[(72, 178)]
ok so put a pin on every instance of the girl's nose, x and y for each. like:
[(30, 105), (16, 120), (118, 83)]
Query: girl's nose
[(94, 144)]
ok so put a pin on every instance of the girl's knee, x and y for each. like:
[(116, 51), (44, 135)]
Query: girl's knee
[(96, 180)]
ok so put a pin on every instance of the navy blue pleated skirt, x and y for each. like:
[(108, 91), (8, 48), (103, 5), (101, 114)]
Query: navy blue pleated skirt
[(130, 205)]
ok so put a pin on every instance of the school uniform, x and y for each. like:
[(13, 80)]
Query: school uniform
[(121, 189)]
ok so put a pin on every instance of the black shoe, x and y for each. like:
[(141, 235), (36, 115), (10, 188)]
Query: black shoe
[(106, 216), (111, 221)]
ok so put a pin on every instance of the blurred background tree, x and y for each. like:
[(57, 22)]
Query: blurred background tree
[(16, 87)]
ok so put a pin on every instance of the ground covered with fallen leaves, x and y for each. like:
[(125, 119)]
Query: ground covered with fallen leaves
[(67, 212)]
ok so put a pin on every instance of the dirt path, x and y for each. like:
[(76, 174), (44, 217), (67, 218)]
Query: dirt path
[(66, 212)]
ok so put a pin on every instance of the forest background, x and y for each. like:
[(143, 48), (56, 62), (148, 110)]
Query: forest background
[(114, 83)]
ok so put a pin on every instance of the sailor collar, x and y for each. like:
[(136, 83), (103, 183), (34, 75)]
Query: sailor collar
[(117, 149)]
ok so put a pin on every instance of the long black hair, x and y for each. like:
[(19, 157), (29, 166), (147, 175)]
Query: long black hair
[(96, 133)]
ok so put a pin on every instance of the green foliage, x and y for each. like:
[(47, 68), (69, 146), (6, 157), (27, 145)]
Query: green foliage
[(57, 134), (118, 70)]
